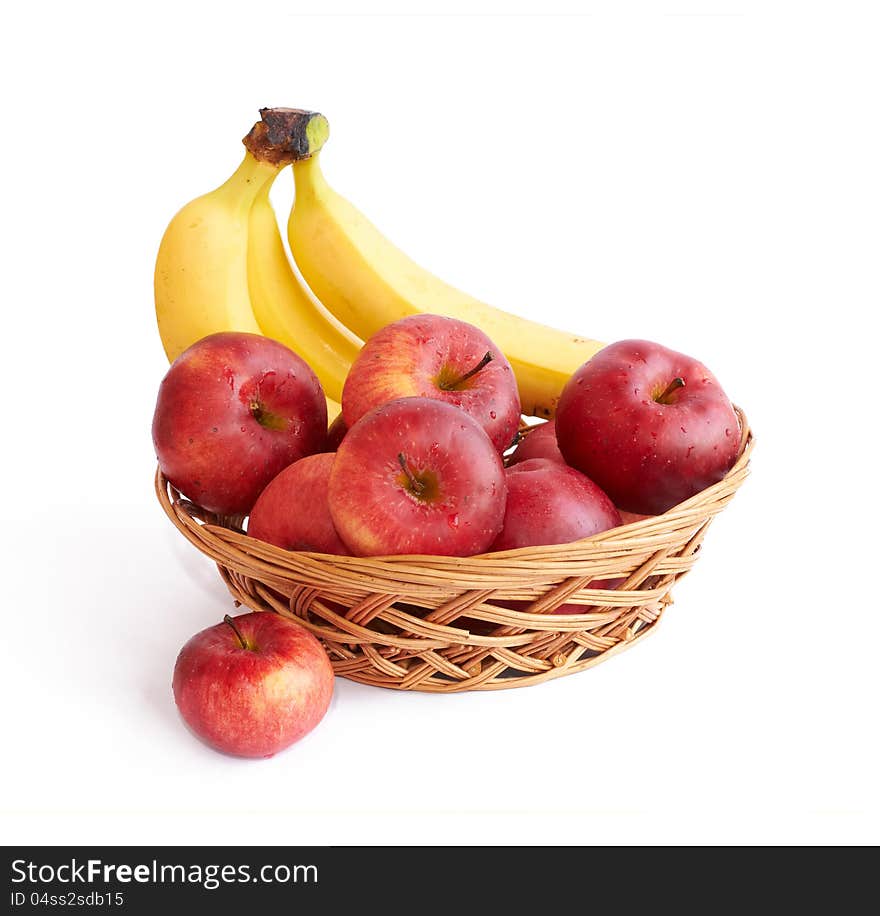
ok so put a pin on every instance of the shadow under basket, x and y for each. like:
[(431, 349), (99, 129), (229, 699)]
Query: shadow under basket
[(447, 624)]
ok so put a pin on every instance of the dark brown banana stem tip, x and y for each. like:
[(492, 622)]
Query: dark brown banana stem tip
[(286, 135)]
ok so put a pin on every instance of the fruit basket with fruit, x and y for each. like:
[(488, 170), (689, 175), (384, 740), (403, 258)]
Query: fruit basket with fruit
[(421, 549)]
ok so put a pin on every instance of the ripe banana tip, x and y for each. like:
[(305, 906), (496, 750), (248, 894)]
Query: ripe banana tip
[(285, 135)]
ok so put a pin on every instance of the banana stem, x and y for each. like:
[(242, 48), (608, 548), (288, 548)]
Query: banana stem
[(250, 179), (285, 135)]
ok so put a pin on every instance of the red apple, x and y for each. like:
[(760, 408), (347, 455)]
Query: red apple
[(253, 685), (650, 426), (551, 503), (418, 476), (539, 442), (434, 357), (292, 512), (627, 518), (335, 434), (233, 410)]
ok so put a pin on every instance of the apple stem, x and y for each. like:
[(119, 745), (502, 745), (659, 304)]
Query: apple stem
[(674, 385), (266, 418), (451, 386), (235, 629), (417, 486)]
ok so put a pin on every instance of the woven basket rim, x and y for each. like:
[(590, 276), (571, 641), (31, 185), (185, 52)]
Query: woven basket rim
[(176, 506)]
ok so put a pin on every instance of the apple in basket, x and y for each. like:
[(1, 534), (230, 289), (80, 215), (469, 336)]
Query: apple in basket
[(650, 426), (252, 685), (435, 357), (540, 442), (232, 411), (550, 503), (417, 475), (293, 512)]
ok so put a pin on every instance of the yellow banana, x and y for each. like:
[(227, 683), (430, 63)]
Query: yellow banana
[(201, 283), (366, 282), (201, 278), (286, 311)]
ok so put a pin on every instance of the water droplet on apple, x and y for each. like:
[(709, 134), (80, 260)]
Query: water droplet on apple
[(453, 520), (492, 414), (727, 432)]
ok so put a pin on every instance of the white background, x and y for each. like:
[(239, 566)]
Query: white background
[(704, 174)]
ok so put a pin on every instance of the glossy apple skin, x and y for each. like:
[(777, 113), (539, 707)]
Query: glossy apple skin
[(647, 456), (292, 512), (551, 503), (540, 442), (257, 701), (206, 432), (372, 504), (411, 357)]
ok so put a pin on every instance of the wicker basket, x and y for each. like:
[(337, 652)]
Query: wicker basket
[(444, 624)]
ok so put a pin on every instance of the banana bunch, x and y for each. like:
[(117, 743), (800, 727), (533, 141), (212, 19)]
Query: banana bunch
[(222, 266)]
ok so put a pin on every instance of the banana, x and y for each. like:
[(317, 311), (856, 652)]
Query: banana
[(366, 282), (334, 409), (286, 311), (201, 280)]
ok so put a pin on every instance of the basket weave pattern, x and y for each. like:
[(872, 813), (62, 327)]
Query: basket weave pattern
[(445, 624)]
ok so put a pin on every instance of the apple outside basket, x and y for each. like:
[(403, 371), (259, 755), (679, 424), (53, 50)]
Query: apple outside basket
[(440, 624)]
